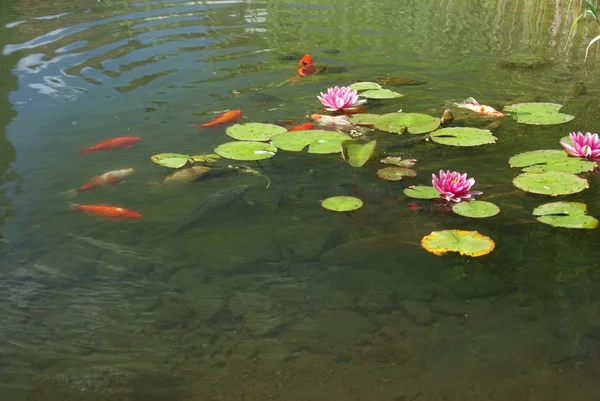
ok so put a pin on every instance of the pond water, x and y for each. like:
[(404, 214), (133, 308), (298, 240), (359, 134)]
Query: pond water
[(269, 296)]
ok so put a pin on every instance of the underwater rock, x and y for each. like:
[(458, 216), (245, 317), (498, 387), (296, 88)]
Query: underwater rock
[(247, 302), (97, 383), (330, 329), (245, 350), (418, 312), (523, 61), (272, 358), (207, 300), (312, 363), (376, 300), (339, 300), (307, 242)]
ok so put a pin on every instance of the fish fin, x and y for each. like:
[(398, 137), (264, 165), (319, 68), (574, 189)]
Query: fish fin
[(83, 151), (471, 100), (71, 193), (73, 206)]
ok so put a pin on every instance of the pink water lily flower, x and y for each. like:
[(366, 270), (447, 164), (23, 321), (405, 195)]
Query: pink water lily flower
[(454, 186), (586, 146), (339, 98)]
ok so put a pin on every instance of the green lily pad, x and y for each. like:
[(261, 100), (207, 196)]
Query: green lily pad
[(463, 136), (364, 119), (380, 94), (342, 203), (361, 86), (565, 214), (254, 131), (397, 161), (318, 141), (476, 209), (357, 153), (421, 192), (246, 150), (414, 123), (470, 243), (204, 158), (550, 183), (538, 113), (396, 173), (171, 160), (539, 161)]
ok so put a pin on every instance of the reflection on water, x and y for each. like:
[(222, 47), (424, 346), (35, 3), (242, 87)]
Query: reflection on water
[(268, 296)]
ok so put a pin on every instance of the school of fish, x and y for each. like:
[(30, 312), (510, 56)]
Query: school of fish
[(304, 68)]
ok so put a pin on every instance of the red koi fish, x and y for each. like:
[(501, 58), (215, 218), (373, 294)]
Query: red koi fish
[(112, 177), (302, 127), (111, 144), (306, 66), (112, 212), (473, 105), (222, 119)]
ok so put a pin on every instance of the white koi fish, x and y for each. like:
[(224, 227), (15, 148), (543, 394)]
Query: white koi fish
[(473, 105)]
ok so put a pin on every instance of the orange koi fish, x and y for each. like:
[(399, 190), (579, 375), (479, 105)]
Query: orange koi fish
[(222, 119), (112, 212), (112, 177), (306, 66), (302, 127), (111, 144), (473, 105)]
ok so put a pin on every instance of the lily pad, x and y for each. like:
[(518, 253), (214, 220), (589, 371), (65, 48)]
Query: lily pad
[(470, 243), (342, 203), (397, 161), (318, 141), (363, 119), (565, 214), (539, 161), (171, 160), (254, 131), (396, 173), (476, 209), (380, 94), (246, 150), (550, 183), (361, 86), (463, 136), (421, 192), (358, 154), (538, 113), (204, 158), (414, 123)]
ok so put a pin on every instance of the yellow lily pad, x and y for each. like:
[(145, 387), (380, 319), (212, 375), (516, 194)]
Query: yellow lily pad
[(469, 243)]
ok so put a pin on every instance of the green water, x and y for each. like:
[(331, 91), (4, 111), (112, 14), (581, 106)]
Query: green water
[(272, 297)]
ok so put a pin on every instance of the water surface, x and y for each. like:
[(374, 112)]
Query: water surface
[(270, 296)]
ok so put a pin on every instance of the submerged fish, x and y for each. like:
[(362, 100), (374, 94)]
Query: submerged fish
[(473, 105), (218, 200), (335, 122), (222, 119), (111, 144), (112, 177), (113, 212), (398, 81)]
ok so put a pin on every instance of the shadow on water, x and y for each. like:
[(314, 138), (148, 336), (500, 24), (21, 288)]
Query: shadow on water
[(265, 295)]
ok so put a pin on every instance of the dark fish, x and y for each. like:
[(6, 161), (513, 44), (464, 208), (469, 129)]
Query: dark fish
[(331, 51), (398, 81), (218, 200), (331, 69)]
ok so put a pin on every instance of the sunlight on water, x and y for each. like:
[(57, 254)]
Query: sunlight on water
[(259, 293)]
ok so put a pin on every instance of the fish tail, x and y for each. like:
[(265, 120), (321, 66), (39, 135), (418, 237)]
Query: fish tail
[(83, 151), (74, 206), (71, 193)]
